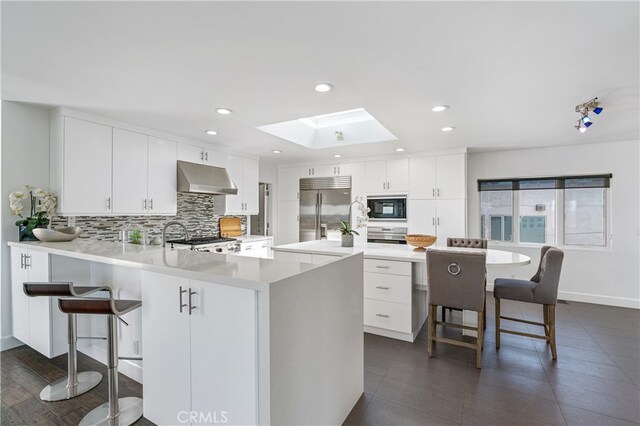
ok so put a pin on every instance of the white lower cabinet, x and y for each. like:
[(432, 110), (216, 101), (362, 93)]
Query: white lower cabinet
[(200, 354), (37, 321), (388, 295)]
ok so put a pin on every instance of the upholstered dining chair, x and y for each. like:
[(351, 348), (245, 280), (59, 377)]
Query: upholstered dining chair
[(469, 243), (456, 279), (542, 289)]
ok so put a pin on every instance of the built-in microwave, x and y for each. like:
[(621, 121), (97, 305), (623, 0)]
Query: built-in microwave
[(387, 207)]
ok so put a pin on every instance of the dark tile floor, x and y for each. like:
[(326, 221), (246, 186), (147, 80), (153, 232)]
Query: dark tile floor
[(594, 381), (24, 372)]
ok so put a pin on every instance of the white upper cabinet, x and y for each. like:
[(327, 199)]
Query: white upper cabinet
[(102, 170), (289, 183), (438, 177), (322, 170), (85, 185), (144, 174), (451, 176), (244, 173), (390, 176), (161, 171), (422, 178), (202, 155), (421, 216), (129, 172)]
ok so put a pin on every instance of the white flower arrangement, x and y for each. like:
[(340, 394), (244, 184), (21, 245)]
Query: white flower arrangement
[(42, 205)]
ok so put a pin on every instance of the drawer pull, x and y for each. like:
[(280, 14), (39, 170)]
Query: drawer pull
[(382, 315), (382, 267), (382, 288)]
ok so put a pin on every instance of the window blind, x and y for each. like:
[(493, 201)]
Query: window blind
[(553, 182)]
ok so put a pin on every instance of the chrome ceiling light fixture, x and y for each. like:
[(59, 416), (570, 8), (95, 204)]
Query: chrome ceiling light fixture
[(584, 122)]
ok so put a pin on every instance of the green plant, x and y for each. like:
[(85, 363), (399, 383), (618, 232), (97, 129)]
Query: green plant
[(345, 229), (136, 236)]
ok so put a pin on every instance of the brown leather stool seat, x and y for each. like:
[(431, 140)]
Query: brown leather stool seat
[(120, 411), (76, 383)]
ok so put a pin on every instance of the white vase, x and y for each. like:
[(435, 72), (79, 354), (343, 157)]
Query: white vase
[(347, 240)]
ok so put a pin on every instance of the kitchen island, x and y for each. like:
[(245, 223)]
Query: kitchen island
[(395, 291), (248, 340)]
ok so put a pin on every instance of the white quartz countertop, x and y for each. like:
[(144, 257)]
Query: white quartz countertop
[(400, 252), (247, 272)]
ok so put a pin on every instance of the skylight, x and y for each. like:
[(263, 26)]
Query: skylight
[(355, 126)]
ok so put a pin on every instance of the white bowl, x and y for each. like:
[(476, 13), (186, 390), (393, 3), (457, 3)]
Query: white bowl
[(58, 235)]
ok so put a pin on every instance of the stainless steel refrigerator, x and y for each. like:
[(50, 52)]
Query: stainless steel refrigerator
[(324, 202)]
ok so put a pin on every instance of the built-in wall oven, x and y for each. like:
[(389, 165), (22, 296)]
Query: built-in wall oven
[(385, 208), (386, 234)]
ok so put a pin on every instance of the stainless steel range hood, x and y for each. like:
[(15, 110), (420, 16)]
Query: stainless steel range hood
[(193, 177)]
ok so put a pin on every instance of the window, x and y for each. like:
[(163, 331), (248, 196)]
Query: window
[(496, 210), (556, 210)]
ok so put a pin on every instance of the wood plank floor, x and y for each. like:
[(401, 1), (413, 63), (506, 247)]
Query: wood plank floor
[(594, 381), (24, 372)]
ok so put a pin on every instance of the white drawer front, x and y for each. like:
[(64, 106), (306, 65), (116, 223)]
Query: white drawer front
[(388, 315), (388, 288), (387, 267)]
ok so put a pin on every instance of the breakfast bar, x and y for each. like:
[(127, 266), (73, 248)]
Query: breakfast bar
[(220, 336)]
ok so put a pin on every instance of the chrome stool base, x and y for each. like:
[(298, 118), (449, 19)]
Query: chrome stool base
[(130, 412), (60, 390)]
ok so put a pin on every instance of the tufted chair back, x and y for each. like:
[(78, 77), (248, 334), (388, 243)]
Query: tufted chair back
[(467, 242)]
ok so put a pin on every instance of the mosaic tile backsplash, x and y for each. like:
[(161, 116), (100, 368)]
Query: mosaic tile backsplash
[(194, 210)]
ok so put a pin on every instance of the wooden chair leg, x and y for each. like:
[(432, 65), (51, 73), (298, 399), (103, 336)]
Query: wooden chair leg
[(545, 312), (552, 331), (497, 303), (479, 342), (433, 311)]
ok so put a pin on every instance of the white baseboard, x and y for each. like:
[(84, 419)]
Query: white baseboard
[(598, 299), (9, 342), (97, 350)]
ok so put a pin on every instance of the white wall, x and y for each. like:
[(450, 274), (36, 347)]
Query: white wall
[(25, 159), (607, 276)]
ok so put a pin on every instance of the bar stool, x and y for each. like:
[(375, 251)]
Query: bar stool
[(123, 411), (76, 383)]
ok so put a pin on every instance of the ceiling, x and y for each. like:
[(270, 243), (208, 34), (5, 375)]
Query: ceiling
[(512, 72)]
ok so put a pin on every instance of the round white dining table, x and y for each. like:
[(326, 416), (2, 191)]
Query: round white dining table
[(495, 258)]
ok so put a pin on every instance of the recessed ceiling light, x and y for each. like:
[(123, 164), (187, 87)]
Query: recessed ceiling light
[(399, 149), (447, 129), (323, 87), (223, 111), (337, 155), (440, 108), (276, 151), (211, 132)]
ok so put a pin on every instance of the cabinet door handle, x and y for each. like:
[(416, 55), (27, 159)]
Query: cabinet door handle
[(433, 192), (382, 288), (382, 267), (438, 192), (21, 260), (438, 221), (388, 185), (202, 155), (206, 156), (182, 305), (144, 204), (109, 203), (338, 169), (298, 218), (191, 307), (151, 204), (334, 170), (27, 261), (433, 221), (384, 185), (382, 315)]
